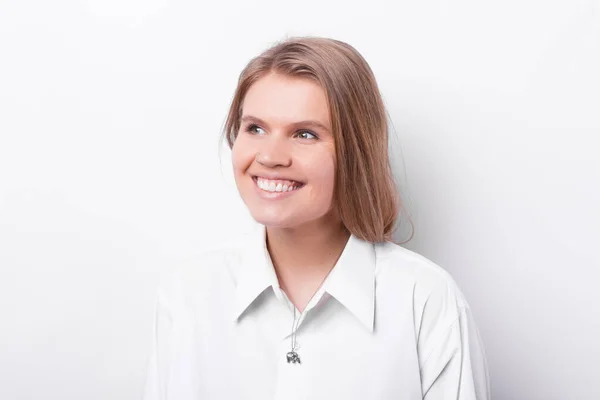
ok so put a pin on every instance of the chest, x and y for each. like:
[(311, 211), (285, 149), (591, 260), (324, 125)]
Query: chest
[(338, 357)]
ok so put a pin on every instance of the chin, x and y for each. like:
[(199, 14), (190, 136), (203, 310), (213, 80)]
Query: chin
[(288, 222), (274, 222)]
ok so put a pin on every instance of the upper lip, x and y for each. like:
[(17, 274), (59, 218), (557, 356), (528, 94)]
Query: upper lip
[(274, 177)]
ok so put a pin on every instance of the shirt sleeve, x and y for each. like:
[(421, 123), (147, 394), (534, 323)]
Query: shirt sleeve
[(452, 359), (157, 374)]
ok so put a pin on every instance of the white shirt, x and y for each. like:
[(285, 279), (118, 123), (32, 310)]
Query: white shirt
[(387, 323)]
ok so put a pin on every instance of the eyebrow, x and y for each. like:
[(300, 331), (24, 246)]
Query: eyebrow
[(305, 123)]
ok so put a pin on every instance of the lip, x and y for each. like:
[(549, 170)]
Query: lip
[(273, 195)]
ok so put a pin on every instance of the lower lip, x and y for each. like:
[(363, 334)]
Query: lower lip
[(274, 195)]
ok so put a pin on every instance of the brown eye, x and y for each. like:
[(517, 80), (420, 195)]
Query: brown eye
[(254, 129), (306, 135)]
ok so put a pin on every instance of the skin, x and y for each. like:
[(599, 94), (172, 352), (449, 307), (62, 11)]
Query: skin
[(286, 133)]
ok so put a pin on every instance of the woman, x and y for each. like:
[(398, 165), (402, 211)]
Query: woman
[(319, 304)]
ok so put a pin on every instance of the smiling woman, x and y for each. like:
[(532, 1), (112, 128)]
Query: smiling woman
[(319, 303), (326, 88), (278, 150)]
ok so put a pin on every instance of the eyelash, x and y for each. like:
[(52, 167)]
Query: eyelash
[(250, 129)]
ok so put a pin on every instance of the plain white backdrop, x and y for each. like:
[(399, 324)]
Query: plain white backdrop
[(110, 118)]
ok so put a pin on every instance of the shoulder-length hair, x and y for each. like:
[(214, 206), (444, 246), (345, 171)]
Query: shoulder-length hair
[(365, 192)]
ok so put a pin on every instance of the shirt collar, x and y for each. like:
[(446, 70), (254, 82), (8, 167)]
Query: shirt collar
[(256, 272), (351, 282)]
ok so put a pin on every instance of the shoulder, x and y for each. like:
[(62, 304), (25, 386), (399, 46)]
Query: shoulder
[(396, 262), (431, 288)]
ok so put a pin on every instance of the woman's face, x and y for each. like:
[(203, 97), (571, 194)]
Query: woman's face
[(284, 154)]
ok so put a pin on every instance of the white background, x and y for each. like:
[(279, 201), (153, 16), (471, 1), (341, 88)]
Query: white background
[(110, 117)]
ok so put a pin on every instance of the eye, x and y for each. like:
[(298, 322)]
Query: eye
[(254, 129), (306, 135)]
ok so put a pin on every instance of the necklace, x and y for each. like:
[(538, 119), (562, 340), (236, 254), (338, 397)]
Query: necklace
[(292, 356)]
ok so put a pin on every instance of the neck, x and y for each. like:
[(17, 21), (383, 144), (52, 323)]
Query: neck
[(304, 255)]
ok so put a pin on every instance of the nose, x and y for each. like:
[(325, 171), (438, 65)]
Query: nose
[(274, 152)]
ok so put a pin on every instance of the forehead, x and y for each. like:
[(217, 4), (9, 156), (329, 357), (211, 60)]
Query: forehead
[(282, 99)]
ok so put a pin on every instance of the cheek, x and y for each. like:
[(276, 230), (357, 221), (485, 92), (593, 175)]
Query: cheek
[(241, 156), (321, 174)]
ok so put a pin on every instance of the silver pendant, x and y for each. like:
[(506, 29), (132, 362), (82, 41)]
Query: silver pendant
[(292, 357)]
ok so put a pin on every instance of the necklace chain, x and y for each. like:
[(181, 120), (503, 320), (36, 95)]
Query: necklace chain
[(294, 342), (292, 356)]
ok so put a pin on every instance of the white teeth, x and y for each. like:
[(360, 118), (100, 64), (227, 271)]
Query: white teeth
[(273, 186)]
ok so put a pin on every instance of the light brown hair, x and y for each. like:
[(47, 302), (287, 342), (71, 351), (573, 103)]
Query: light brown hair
[(365, 192)]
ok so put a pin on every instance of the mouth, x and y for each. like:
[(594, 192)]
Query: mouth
[(276, 185)]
